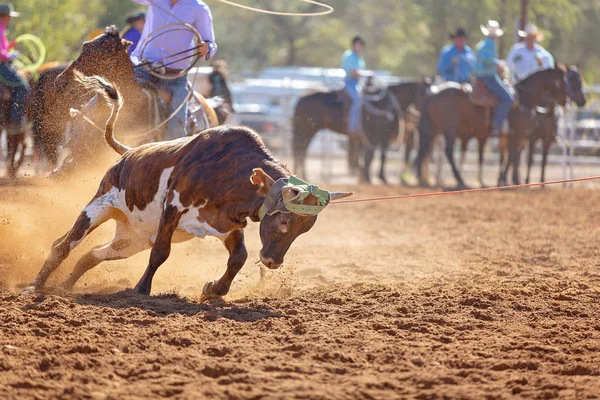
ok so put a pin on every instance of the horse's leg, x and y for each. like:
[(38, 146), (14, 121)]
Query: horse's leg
[(450, 140), (384, 149), (530, 151), (354, 146), (516, 179), (482, 142), (369, 154), (301, 140), (547, 143), (463, 154), (12, 144)]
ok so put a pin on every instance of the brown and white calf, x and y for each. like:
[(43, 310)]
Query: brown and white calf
[(159, 193)]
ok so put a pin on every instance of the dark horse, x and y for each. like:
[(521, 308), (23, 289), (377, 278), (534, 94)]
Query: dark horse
[(410, 96), (15, 143), (542, 126), (54, 95), (452, 113), (528, 123), (326, 110)]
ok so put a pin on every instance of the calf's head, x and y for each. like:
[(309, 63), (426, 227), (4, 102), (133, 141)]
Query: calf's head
[(288, 211)]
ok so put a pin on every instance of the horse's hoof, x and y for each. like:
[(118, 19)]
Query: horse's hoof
[(383, 180), (424, 184), (207, 292)]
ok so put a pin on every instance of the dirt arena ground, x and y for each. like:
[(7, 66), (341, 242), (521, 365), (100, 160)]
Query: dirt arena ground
[(473, 296)]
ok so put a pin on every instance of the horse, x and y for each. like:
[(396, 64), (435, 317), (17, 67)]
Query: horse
[(452, 112), (328, 110), (381, 123), (528, 124), (106, 55), (15, 142), (410, 96)]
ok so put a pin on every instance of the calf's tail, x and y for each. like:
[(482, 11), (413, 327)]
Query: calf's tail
[(111, 94)]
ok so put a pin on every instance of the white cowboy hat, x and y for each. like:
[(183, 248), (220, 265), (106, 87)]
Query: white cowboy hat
[(492, 29), (531, 30)]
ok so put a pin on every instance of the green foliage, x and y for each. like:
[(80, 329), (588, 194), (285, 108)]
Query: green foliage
[(60, 24), (404, 36)]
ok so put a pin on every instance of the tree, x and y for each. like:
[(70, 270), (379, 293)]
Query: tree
[(61, 25)]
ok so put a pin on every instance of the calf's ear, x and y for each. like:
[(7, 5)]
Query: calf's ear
[(262, 180)]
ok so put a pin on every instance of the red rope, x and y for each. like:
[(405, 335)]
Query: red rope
[(434, 194)]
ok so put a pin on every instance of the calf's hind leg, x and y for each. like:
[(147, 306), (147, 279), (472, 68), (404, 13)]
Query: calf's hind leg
[(126, 243), (92, 216), (237, 257)]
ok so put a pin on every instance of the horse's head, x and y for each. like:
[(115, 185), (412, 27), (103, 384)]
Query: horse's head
[(104, 55), (574, 86)]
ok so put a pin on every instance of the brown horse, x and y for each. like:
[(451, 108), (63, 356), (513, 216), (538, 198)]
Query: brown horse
[(328, 110), (55, 94), (452, 113), (526, 123), (15, 142), (410, 96)]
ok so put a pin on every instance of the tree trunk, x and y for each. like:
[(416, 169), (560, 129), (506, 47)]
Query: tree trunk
[(291, 56)]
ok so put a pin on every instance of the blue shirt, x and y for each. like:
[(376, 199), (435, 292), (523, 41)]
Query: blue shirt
[(133, 35), (487, 58), (351, 61), (460, 73)]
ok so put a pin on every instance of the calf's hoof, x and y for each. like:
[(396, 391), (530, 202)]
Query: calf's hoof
[(139, 289), (208, 292)]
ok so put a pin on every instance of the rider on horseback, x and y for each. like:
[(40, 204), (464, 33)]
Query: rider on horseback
[(488, 69), (354, 65), (527, 57), (457, 61), (163, 49), (9, 77)]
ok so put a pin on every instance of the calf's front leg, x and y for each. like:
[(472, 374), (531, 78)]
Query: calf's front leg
[(234, 243), (161, 249)]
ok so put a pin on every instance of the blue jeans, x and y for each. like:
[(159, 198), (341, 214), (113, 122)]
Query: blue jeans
[(354, 118), (497, 88), (19, 90), (176, 127)]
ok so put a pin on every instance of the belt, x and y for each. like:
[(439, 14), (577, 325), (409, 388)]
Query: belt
[(171, 71)]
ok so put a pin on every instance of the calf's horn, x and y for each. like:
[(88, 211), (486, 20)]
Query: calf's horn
[(333, 196)]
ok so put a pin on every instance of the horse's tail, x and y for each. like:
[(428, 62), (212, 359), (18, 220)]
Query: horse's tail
[(112, 96)]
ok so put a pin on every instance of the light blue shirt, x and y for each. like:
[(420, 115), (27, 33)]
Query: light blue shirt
[(460, 73), (351, 61), (487, 58)]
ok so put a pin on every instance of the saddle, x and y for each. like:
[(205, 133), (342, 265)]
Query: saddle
[(482, 97)]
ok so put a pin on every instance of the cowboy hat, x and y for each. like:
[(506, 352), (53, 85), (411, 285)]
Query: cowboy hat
[(492, 29), (531, 30), (460, 32), (8, 9), (135, 17)]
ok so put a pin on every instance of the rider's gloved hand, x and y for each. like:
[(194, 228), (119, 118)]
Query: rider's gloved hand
[(13, 56), (203, 49)]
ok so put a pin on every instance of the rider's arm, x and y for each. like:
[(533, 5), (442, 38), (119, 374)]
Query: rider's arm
[(445, 66), (4, 45), (510, 59), (204, 25)]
